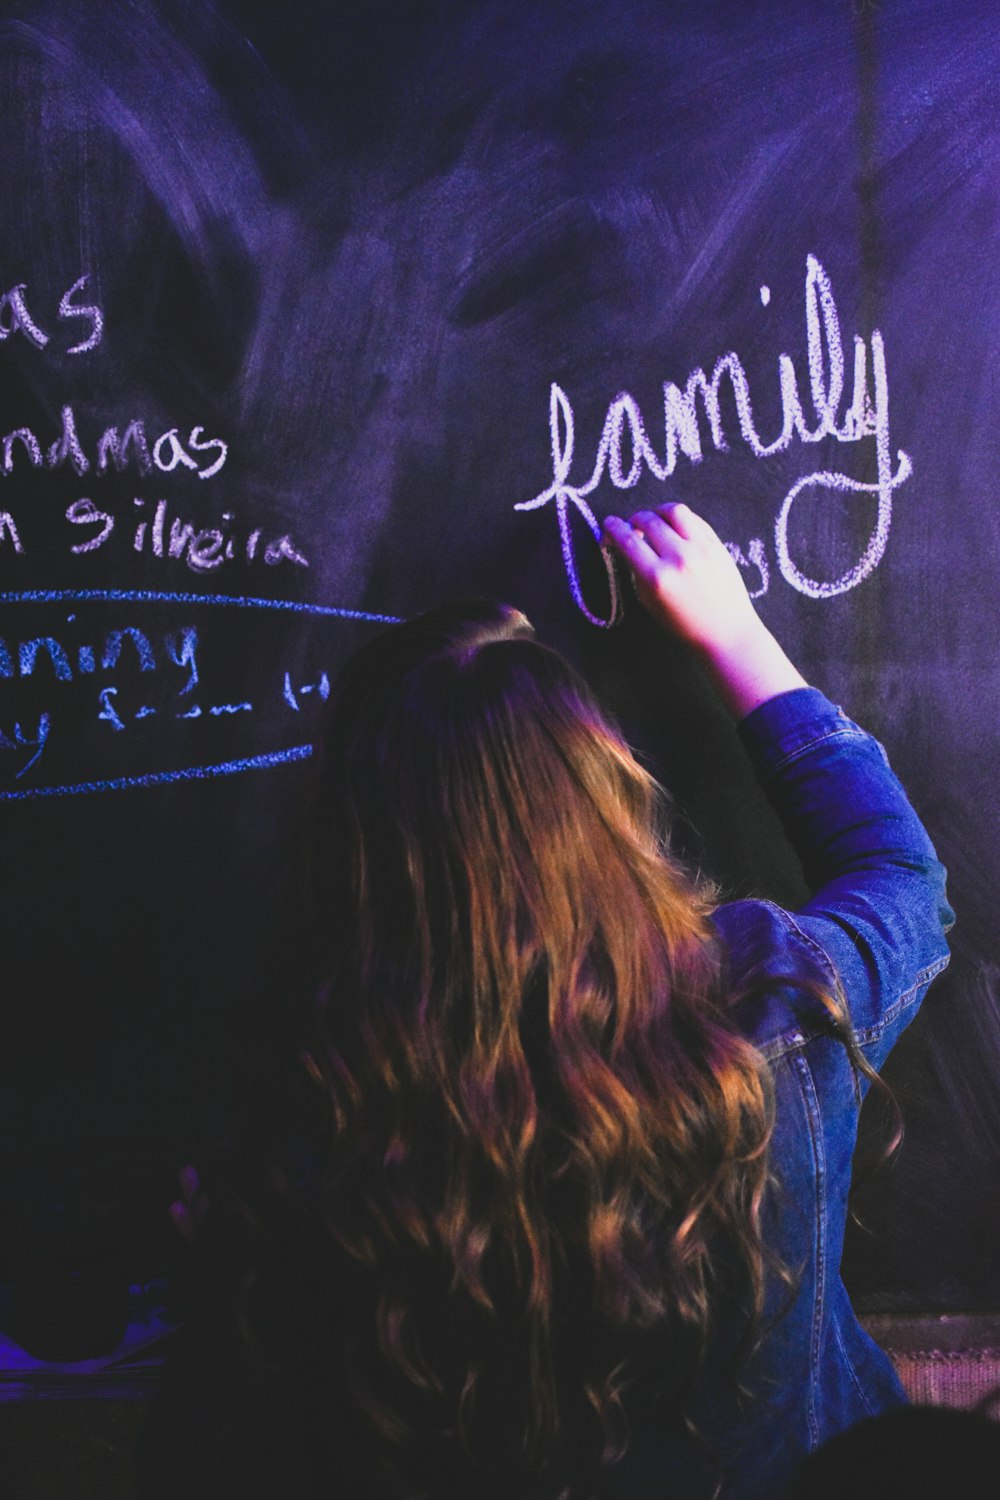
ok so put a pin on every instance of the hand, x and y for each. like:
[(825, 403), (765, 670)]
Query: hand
[(689, 583), (684, 575)]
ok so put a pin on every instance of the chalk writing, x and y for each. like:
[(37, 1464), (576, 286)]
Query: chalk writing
[(176, 647), (112, 707), (74, 671), (18, 737), (107, 713), (206, 548), (112, 712), (291, 695), (755, 557), (114, 450), (165, 535), (164, 778), (16, 318), (155, 596), (54, 660), (68, 309), (83, 513), (60, 660), (9, 532), (625, 451)]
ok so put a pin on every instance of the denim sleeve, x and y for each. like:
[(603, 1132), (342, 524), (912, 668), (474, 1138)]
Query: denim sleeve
[(878, 910)]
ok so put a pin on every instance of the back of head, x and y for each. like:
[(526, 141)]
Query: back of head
[(479, 810)]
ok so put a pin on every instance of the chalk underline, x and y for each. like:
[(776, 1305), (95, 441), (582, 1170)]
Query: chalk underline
[(148, 596), (160, 778)]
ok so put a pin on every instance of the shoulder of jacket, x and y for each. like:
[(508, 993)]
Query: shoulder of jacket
[(778, 970)]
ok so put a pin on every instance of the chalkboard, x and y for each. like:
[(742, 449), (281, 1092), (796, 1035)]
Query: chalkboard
[(314, 315)]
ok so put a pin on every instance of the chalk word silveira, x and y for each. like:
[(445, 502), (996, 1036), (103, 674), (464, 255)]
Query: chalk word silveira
[(625, 460)]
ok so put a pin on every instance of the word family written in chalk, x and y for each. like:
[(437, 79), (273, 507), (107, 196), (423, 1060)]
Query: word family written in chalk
[(626, 452)]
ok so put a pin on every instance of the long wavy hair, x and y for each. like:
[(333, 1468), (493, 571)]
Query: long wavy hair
[(535, 1136)]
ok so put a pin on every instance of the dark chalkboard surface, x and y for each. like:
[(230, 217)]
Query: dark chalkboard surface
[(312, 315)]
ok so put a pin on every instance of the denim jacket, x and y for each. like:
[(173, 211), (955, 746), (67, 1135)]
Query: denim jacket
[(876, 923), (873, 932)]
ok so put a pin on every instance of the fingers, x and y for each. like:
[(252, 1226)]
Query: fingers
[(630, 543), (679, 517), (662, 527), (649, 536), (659, 532)]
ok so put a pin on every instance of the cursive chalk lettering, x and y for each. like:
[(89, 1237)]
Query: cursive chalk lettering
[(625, 451)]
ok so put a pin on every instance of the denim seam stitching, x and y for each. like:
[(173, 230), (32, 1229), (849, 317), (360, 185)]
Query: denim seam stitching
[(903, 1002), (817, 948), (811, 1104), (845, 732), (780, 1046), (874, 1032), (852, 1372)]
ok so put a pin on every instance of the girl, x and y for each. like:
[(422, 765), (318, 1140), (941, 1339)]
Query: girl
[(549, 1196)]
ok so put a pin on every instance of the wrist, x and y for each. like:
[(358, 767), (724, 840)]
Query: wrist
[(750, 669)]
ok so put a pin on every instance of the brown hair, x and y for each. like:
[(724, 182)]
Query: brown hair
[(536, 1127)]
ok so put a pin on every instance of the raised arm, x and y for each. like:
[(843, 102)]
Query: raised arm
[(878, 910)]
